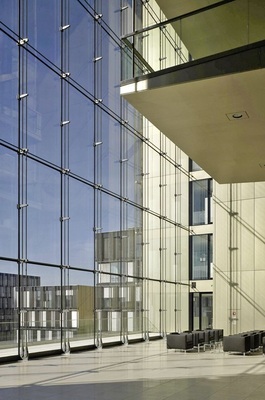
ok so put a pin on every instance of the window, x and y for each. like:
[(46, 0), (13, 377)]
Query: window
[(201, 199), (201, 310), (193, 166), (201, 257)]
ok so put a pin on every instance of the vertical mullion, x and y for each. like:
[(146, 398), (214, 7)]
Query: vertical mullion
[(98, 142), (22, 177), (124, 332), (175, 243), (65, 121), (19, 179), (160, 235)]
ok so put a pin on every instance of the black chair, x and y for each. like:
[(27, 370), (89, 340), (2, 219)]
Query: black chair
[(237, 343), (180, 341), (263, 345), (199, 339)]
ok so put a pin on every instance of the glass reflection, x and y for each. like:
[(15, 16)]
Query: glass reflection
[(201, 256), (39, 298), (99, 259), (9, 316), (43, 28), (9, 14), (81, 138), (81, 237), (43, 133), (8, 90), (8, 209), (111, 161), (81, 46), (82, 308), (201, 192), (43, 213)]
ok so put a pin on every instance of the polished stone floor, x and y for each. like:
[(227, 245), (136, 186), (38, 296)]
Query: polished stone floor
[(143, 371)]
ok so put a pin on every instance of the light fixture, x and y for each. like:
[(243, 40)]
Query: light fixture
[(238, 115)]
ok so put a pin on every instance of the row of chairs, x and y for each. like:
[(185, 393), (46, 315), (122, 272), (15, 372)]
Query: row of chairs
[(244, 342), (197, 339)]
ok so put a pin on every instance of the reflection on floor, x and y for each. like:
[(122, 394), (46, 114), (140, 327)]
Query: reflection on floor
[(144, 371)]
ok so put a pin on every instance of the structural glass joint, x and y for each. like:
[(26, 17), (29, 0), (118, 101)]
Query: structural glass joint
[(22, 41)]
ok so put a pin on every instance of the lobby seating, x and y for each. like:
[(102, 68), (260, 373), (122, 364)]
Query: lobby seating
[(261, 334), (180, 341), (244, 342), (218, 335), (210, 338), (254, 341), (239, 343), (197, 339)]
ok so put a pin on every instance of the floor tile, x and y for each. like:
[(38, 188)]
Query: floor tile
[(144, 371)]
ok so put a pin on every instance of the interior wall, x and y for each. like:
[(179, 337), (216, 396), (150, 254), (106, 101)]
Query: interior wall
[(239, 268)]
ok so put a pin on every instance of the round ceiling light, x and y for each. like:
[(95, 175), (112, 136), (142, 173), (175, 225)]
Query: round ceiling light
[(237, 115)]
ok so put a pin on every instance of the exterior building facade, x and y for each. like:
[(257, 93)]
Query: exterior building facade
[(97, 202), (8, 307)]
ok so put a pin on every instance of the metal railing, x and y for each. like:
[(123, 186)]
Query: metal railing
[(214, 29)]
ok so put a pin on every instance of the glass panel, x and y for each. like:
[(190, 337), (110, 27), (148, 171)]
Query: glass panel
[(196, 310), (111, 16), (170, 261), (43, 130), (108, 256), (134, 169), (170, 294), (153, 181), (153, 306), (211, 256), (81, 46), (210, 201), (8, 196), (40, 300), (43, 187), (232, 25), (81, 318), (8, 312), (81, 139), (111, 79), (206, 310), (134, 307), (201, 194), (170, 191), (43, 28), (228, 24), (200, 257), (9, 10), (8, 90), (110, 214), (81, 237), (153, 248), (194, 166), (111, 325), (111, 158)]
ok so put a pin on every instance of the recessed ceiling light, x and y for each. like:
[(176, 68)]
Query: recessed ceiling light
[(237, 115)]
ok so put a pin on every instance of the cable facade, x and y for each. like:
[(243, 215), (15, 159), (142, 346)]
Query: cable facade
[(94, 215)]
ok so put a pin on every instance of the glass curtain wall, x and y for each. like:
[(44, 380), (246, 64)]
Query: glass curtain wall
[(92, 220), (165, 195)]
